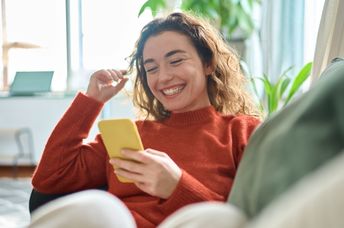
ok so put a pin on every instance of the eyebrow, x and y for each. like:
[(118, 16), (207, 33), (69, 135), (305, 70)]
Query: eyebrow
[(168, 54)]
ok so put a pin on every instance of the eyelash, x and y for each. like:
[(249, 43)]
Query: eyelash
[(151, 70), (175, 62)]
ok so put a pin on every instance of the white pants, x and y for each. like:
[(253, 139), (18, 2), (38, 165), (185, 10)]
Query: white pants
[(91, 208), (317, 201)]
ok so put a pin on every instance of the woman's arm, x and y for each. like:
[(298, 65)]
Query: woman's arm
[(67, 164)]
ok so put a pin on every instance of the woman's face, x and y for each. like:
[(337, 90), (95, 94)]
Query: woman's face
[(175, 73)]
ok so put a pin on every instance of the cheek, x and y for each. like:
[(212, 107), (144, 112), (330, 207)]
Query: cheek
[(151, 82)]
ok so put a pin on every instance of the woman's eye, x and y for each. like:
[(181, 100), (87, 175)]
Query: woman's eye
[(150, 70), (175, 62)]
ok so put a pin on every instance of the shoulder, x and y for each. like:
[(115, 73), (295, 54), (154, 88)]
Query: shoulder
[(242, 125), (242, 120), (246, 120)]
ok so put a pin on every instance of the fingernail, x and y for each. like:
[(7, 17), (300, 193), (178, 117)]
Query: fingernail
[(112, 161)]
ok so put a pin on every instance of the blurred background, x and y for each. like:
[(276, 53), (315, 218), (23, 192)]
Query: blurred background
[(275, 40)]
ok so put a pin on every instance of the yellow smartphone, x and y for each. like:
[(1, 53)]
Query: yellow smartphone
[(119, 134)]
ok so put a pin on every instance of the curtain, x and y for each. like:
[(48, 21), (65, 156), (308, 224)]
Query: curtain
[(253, 50), (282, 35), (330, 40)]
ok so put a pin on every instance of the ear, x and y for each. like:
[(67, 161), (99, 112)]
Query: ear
[(208, 69)]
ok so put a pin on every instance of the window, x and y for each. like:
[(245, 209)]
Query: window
[(36, 38), (108, 30), (101, 34)]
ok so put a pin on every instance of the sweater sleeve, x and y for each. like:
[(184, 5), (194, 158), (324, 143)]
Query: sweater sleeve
[(67, 164), (242, 128), (189, 190)]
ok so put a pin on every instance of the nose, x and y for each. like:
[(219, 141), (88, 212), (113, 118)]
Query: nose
[(165, 74)]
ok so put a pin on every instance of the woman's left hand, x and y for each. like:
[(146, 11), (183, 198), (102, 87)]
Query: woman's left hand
[(152, 171)]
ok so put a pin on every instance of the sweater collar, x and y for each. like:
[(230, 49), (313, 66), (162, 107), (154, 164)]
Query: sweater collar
[(191, 117)]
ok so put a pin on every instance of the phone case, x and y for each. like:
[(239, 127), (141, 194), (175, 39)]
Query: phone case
[(118, 134)]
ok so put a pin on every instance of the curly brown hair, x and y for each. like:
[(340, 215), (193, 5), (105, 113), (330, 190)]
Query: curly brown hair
[(225, 86)]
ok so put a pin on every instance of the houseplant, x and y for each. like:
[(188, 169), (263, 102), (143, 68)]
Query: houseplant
[(278, 94), (232, 17)]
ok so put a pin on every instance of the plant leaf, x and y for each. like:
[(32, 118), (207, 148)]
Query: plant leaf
[(277, 88), (284, 73), (268, 88), (143, 8), (254, 87), (275, 95), (284, 86), (267, 84), (246, 6), (299, 80), (245, 21), (153, 6)]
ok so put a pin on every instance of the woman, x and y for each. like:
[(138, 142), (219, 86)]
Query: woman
[(198, 121)]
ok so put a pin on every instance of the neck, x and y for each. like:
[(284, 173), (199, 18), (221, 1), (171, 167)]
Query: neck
[(191, 117)]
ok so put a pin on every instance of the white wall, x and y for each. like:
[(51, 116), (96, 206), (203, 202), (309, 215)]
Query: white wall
[(41, 114)]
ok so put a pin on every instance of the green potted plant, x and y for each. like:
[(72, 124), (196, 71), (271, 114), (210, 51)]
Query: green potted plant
[(232, 17), (278, 94)]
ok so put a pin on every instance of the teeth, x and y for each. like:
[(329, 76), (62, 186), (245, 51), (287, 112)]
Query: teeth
[(173, 91)]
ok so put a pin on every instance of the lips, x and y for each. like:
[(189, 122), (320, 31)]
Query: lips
[(173, 90)]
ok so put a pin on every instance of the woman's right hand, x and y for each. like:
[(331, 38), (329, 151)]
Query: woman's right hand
[(101, 85)]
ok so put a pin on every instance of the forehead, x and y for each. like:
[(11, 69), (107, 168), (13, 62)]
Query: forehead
[(158, 45)]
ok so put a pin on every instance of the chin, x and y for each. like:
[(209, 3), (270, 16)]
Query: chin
[(173, 108), (177, 109)]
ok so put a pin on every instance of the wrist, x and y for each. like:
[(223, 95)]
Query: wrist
[(94, 97)]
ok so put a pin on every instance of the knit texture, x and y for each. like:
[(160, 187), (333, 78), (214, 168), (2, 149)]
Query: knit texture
[(204, 144)]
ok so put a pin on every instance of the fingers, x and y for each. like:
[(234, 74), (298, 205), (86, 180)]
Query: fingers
[(135, 177), (131, 166), (124, 72), (128, 169), (102, 75), (120, 85), (101, 86), (155, 152), (116, 75), (138, 156), (110, 75)]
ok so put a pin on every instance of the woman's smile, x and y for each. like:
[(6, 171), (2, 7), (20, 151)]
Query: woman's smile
[(173, 90)]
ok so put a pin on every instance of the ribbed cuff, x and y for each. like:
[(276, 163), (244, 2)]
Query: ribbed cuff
[(86, 109), (189, 190)]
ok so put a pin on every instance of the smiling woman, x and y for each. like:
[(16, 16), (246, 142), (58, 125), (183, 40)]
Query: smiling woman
[(225, 83), (175, 72), (188, 81)]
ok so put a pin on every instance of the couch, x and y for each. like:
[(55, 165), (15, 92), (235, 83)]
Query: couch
[(292, 143)]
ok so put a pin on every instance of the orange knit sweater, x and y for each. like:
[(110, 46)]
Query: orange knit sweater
[(204, 144)]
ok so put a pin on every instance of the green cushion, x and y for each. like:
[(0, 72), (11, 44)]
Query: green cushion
[(292, 143)]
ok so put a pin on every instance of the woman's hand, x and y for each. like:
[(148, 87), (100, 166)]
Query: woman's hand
[(152, 171), (101, 85)]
